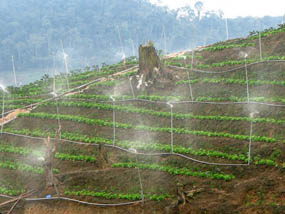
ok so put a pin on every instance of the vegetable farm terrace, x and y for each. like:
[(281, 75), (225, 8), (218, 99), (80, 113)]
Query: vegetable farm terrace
[(211, 140)]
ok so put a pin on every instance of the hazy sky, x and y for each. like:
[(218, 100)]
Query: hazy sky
[(234, 8)]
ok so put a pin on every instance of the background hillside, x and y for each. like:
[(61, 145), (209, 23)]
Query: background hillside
[(31, 31)]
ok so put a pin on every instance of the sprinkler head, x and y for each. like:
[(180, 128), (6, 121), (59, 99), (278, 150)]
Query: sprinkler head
[(41, 158), (112, 98), (3, 88), (253, 113), (53, 94), (171, 105), (133, 150)]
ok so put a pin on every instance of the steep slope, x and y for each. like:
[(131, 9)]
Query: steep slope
[(211, 146)]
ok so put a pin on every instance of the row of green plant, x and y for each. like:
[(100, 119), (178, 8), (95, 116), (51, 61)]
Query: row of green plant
[(22, 101), (180, 98), (21, 167), (99, 122), (240, 99), (133, 109), (225, 63), (63, 156), (125, 97), (175, 170), (231, 81), (108, 195), (85, 158), (226, 46), (267, 32), (11, 192), (146, 146)]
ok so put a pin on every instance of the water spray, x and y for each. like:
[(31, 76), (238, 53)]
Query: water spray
[(54, 94), (14, 72), (3, 106), (121, 43), (114, 121), (164, 38), (188, 76), (171, 124), (133, 48), (139, 173), (65, 65), (250, 134), (246, 76), (227, 28), (130, 81)]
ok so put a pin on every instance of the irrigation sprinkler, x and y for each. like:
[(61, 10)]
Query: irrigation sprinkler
[(14, 72), (131, 85), (139, 173), (171, 124), (188, 76), (114, 121), (3, 107), (227, 28), (250, 135), (246, 76)]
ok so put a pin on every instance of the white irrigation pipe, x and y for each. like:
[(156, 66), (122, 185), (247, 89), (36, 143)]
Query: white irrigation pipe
[(230, 70), (70, 91), (128, 151), (74, 200), (186, 102)]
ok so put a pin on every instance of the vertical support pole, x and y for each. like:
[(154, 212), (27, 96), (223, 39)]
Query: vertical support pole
[(247, 88), (164, 36), (65, 66), (227, 29), (249, 145), (140, 179), (259, 40), (14, 72), (3, 110), (171, 125), (114, 122)]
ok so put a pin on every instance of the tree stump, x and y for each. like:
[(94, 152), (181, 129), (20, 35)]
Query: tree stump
[(150, 67), (151, 75)]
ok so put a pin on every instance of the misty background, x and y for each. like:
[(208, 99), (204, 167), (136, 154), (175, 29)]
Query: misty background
[(93, 32)]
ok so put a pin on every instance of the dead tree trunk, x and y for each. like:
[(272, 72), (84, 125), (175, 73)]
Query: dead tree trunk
[(150, 67), (149, 62), (151, 72)]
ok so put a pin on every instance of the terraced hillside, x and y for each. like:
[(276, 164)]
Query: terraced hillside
[(211, 140)]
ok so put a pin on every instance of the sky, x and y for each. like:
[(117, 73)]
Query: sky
[(234, 8)]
